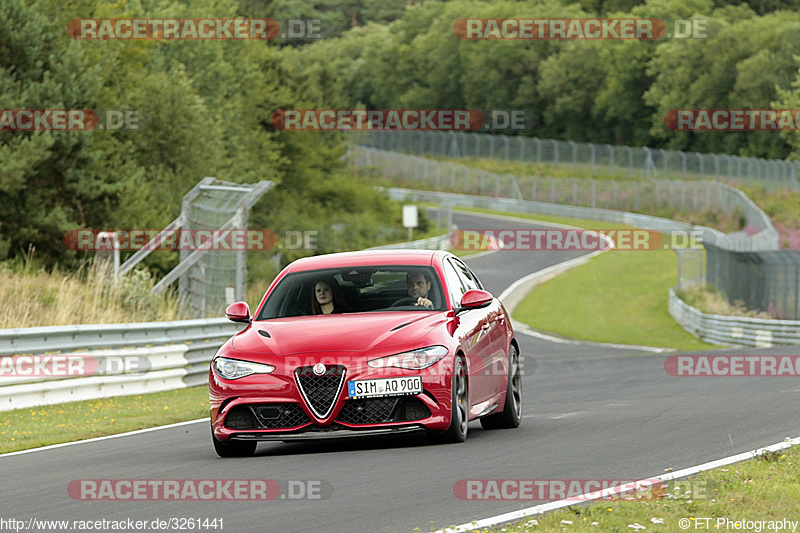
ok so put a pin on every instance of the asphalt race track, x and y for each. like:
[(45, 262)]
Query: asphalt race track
[(589, 412)]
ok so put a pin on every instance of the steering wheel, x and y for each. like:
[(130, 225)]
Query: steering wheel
[(408, 300)]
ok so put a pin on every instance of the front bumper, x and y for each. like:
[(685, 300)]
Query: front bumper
[(284, 412), (334, 432)]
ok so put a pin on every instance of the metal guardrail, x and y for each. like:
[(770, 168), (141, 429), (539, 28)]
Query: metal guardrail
[(177, 353), (198, 333), (584, 194), (440, 242), (155, 369), (710, 235), (528, 206), (730, 330), (742, 251)]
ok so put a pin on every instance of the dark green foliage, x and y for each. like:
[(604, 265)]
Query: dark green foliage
[(207, 106)]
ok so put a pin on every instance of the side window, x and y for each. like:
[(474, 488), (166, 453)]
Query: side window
[(454, 283), (467, 278)]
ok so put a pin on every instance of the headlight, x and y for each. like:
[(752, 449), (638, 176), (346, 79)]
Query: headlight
[(413, 360), (235, 369)]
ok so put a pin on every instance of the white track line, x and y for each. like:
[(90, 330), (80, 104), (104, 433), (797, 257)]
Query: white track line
[(552, 506), (511, 288), (525, 330), (553, 269), (96, 439)]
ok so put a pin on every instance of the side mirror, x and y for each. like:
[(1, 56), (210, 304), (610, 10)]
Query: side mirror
[(238, 312), (475, 299)]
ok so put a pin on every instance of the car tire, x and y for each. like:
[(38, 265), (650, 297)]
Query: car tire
[(234, 448), (459, 422), (511, 414)]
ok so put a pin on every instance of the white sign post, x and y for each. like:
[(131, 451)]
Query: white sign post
[(108, 244), (410, 219)]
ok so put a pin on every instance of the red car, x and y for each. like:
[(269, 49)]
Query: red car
[(366, 343)]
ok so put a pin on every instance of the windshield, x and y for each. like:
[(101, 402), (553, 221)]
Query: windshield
[(355, 290)]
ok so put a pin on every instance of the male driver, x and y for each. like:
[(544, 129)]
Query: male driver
[(418, 288)]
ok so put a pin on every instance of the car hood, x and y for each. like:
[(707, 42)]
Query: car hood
[(336, 333)]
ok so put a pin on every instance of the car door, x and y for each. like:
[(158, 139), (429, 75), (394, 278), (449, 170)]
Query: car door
[(476, 339), (495, 358)]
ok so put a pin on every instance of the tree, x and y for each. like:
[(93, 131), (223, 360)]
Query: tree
[(43, 185)]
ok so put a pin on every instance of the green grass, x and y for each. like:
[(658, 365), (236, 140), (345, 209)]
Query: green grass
[(22, 429), (764, 488), (550, 170), (619, 296)]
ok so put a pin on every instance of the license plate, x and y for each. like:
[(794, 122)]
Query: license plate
[(370, 388)]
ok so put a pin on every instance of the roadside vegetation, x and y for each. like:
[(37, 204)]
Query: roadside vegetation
[(34, 427), (35, 296), (709, 300), (618, 297), (764, 488), (783, 207)]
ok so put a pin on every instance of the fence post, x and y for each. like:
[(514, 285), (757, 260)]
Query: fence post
[(702, 167), (648, 162), (574, 153), (683, 164), (630, 160)]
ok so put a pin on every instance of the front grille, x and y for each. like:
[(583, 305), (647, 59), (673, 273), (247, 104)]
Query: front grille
[(320, 392), (281, 415), (381, 410), (266, 416)]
